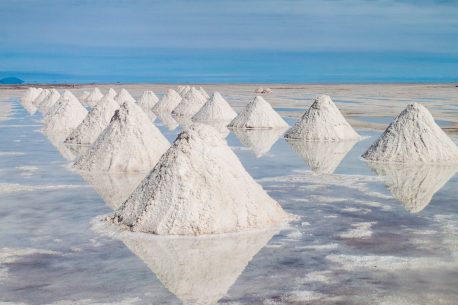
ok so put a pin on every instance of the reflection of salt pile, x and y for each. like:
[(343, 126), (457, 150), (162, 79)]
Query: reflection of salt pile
[(94, 97), (414, 185), (413, 137), (167, 120), (114, 188), (198, 187), (94, 123), (49, 101), (322, 122), (322, 157), (191, 103), (168, 102), (147, 102), (215, 109), (258, 114), (198, 270), (259, 141), (68, 152), (83, 97), (124, 96), (27, 99), (129, 143), (66, 118)]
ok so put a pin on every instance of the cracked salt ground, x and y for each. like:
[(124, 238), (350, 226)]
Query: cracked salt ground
[(354, 242)]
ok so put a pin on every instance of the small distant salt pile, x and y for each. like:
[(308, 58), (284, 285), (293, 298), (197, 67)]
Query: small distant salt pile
[(124, 96), (94, 123), (322, 122), (258, 114), (66, 118), (94, 97), (168, 102), (111, 93), (27, 99), (215, 109), (83, 97), (259, 141), (191, 103), (41, 97), (147, 102), (199, 187), (66, 96), (413, 137), (49, 101), (263, 90), (129, 143), (182, 90), (204, 93)]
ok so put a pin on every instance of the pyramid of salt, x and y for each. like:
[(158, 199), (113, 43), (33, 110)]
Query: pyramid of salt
[(129, 143), (27, 99), (124, 96), (258, 114), (204, 93), (49, 101), (168, 102), (322, 122), (182, 90), (147, 102), (94, 97), (215, 109), (413, 137), (198, 270), (66, 118), (83, 97), (67, 95), (414, 185), (111, 93), (191, 103), (94, 123), (199, 187), (41, 97)]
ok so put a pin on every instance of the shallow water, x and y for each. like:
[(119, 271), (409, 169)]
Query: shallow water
[(359, 238)]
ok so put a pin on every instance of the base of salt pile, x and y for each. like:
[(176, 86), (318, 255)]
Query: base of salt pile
[(199, 187)]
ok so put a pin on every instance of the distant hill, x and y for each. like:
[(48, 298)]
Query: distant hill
[(11, 81)]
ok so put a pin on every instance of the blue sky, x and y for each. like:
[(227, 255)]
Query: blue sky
[(284, 41)]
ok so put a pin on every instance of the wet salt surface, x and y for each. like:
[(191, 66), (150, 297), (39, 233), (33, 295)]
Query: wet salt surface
[(353, 243)]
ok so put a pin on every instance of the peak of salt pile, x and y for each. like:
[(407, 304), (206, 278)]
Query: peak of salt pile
[(66, 118), (413, 137), (258, 141), (41, 97), (198, 270), (215, 109), (94, 123), (49, 101), (191, 103), (168, 102), (147, 102), (199, 187), (414, 185), (322, 122), (167, 120), (130, 143), (182, 90), (94, 97), (258, 114), (323, 157), (66, 96), (204, 93), (124, 96), (111, 93), (27, 99)]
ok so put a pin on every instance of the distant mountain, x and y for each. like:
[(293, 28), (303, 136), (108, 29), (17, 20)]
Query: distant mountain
[(11, 81)]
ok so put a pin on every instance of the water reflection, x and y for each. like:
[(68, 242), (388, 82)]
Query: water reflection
[(197, 270), (414, 185), (68, 151), (259, 141), (322, 157), (168, 121), (114, 188)]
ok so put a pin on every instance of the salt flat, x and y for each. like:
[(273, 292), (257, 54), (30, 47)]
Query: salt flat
[(364, 235)]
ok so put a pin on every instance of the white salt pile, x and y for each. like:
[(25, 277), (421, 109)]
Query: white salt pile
[(67, 95), (191, 103), (94, 123), (66, 118), (259, 141), (204, 93), (111, 93), (27, 99), (83, 97), (124, 96), (263, 90), (94, 97), (411, 138), (49, 101), (322, 122), (182, 90), (168, 102), (323, 157), (147, 102), (414, 185), (199, 187), (258, 114), (215, 109), (41, 97), (129, 143)]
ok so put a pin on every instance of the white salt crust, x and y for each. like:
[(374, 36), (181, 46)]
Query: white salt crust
[(258, 114), (124, 96), (192, 101), (168, 102), (94, 97), (322, 122), (130, 143), (199, 187), (413, 137), (49, 101), (215, 109)]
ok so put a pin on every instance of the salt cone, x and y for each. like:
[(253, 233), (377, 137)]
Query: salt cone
[(191, 104), (168, 102), (94, 97), (124, 96), (49, 101), (214, 110)]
